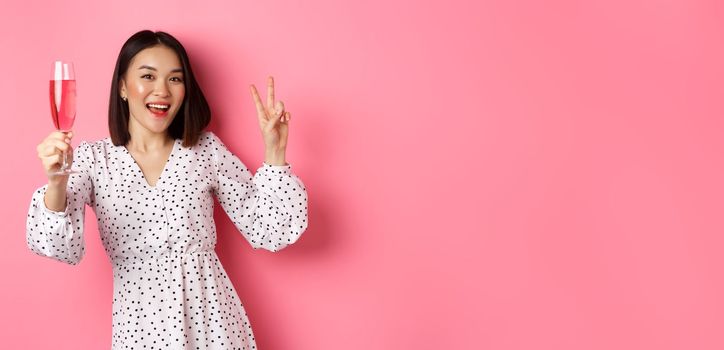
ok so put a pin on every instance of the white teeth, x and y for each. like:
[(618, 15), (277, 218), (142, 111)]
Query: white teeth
[(158, 106)]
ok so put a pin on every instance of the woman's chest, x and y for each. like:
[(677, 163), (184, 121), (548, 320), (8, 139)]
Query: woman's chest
[(183, 186), (150, 165)]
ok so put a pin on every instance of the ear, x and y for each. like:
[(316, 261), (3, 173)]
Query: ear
[(122, 87)]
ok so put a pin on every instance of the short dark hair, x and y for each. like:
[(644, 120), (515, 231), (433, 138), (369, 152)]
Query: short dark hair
[(195, 111)]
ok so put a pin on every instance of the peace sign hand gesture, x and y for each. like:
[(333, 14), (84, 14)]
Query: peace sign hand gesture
[(274, 124)]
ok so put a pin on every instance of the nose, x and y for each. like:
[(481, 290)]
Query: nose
[(160, 88)]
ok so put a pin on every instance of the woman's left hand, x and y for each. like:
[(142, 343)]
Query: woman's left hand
[(274, 124)]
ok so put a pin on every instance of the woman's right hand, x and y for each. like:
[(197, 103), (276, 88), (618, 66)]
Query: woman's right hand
[(50, 152)]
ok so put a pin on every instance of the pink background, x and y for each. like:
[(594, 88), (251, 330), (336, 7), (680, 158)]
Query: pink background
[(482, 174)]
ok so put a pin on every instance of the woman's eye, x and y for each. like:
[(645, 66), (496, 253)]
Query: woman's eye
[(177, 79), (146, 76)]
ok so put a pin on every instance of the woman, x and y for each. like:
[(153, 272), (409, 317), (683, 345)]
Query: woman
[(150, 184)]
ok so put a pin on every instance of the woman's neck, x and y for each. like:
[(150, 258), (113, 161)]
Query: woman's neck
[(144, 141)]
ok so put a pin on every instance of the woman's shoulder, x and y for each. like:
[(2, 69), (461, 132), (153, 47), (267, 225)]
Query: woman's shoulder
[(96, 146), (209, 138), (95, 151), (207, 143)]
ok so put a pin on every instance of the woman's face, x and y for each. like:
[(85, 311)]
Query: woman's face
[(154, 87)]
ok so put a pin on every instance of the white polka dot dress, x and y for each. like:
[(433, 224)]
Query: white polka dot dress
[(169, 288)]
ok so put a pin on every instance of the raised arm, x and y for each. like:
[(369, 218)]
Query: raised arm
[(54, 225)]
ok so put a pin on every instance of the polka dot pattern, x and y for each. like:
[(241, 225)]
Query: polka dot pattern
[(169, 288)]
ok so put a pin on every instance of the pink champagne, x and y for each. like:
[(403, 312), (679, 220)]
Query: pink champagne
[(62, 103)]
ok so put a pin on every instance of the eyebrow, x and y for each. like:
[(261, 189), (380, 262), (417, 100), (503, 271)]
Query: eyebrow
[(155, 70)]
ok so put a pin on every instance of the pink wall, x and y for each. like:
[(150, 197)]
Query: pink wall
[(482, 174)]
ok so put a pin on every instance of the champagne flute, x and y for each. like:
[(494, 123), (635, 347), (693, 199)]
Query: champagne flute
[(62, 104)]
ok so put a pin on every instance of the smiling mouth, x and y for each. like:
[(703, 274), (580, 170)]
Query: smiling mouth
[(158, 109)]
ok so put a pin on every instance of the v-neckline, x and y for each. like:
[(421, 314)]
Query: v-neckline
[(163, 171)]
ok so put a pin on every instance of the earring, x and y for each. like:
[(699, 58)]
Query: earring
[(124, 98)]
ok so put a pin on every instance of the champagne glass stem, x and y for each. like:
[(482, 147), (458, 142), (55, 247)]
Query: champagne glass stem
[(65, 161)]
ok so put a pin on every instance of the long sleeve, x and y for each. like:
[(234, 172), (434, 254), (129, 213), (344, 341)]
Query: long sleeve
[(269, 209), (59, 235)]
